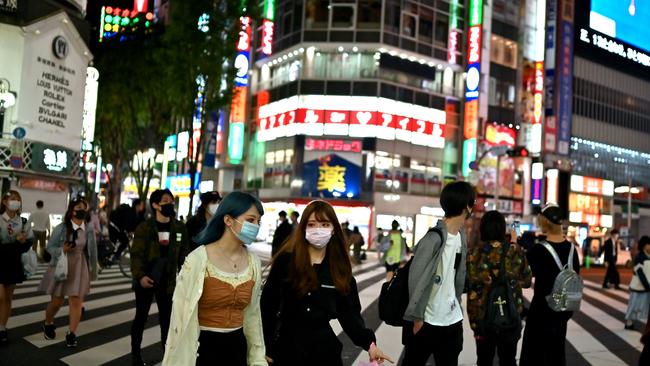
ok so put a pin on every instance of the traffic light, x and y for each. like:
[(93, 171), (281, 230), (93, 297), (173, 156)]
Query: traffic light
[(518, 151)]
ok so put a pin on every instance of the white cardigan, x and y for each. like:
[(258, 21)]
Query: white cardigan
[(183, 337)]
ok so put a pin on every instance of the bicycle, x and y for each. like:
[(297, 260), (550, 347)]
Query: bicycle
[(106, 249)]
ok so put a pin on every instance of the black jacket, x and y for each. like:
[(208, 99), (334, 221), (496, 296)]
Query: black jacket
[(611, 253), (304, 336), (195, 225), (282, 233)]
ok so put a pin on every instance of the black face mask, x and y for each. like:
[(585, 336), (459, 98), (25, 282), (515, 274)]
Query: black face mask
[(80, 215), (167, 210)]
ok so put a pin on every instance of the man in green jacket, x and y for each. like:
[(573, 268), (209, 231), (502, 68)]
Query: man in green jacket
[(159, 248)]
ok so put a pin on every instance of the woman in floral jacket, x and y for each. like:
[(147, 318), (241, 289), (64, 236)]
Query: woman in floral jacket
[(483, 266)]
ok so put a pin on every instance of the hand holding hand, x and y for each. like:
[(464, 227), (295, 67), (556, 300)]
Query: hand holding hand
[(377, 355), (146, 282)]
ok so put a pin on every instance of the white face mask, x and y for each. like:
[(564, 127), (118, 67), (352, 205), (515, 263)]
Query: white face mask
[(13, 205), (318, 237), (212, 208)]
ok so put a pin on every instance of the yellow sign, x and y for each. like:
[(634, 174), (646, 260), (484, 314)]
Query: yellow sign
[(331, 178)]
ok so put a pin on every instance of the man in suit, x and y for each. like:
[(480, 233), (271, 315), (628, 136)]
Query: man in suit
[(611, 256)]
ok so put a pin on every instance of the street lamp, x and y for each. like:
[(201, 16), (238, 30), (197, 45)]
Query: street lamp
[(7, 100), (630, 191)]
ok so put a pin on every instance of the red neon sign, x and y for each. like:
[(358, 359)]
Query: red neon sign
[(267, 37), (471, 119), (238, 105), (538, 90), (333, 145), (244, 42), (452, 46), (474, 44)]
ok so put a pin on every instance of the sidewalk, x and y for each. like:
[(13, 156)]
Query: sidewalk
[(597, 274)]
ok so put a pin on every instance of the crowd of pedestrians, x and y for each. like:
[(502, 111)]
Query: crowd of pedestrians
[(215, 309)]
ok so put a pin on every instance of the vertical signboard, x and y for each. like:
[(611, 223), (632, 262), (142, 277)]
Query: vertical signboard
[(268, 27), (454, 33), (472, 83), (564, 73), (238, 104), (550, 128)]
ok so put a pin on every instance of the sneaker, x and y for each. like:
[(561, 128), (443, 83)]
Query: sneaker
[(3, 336), (605, 287), (49, 331), (71, 340), (618, 287), (629, 327)]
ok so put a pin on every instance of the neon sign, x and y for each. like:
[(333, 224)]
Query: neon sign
[(538, 92), (333, 145), (238, 104), (454, 33), (500, 135), (267, 37), (352, 116), (472, 83)]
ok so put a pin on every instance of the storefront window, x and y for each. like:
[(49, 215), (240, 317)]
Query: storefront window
[(317, 14), (503, 52), (342, 16), (409, 24), (369, 15)]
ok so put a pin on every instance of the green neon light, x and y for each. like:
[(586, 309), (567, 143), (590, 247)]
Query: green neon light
[(469, 155), (453, 14), (236, 142), (269, 10), (475, 12)]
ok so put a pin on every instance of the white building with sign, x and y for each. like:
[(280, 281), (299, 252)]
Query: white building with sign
[(45, 66)]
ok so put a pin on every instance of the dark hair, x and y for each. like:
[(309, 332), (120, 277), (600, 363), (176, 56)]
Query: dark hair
[(456, 197), (295, 213), (234, 205), (10, 192), (613, 232), (157, 196), (136, 202), (493, 227), (302, 273), (394, 225), (356, 230), (282, 214), (39, 204), (643, 241), (67, 219)]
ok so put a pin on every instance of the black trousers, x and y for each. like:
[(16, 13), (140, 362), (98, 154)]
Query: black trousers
[(505, 347), (544, 341), (445, 343), (227, 349), (143, 299), (644, 359), (612, 276)]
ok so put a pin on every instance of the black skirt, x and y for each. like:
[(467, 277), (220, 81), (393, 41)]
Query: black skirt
[(222, 349), (11, 265)]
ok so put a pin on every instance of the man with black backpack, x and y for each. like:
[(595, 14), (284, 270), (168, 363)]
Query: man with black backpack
[(558, 291), (496, 273), (436, 279)]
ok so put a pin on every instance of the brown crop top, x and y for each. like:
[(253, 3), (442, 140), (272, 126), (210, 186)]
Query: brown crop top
[(222, 305)]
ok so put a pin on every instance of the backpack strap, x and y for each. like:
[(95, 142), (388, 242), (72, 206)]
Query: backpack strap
[(554, 254), (570, 262)]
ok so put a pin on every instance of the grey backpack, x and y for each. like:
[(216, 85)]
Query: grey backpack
[(567, 289)]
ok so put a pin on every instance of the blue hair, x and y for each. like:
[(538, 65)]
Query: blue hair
[(234, 205)]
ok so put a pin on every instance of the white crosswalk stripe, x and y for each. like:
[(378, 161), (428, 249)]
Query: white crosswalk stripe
[(104, 332)]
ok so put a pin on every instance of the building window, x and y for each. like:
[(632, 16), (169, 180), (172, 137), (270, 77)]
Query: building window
[(442, 30), (503, 52), (425, 29), (369, 15), (317, 14), (342, 16), (409, 25)]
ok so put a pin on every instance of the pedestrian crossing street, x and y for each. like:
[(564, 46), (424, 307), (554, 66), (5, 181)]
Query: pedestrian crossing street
[(595, 334)]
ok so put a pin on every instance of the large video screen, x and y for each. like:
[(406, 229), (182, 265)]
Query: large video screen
[(614, 33), (625, 20)]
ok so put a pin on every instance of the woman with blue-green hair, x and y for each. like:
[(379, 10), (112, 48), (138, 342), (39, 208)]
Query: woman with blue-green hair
[(216, 311)]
